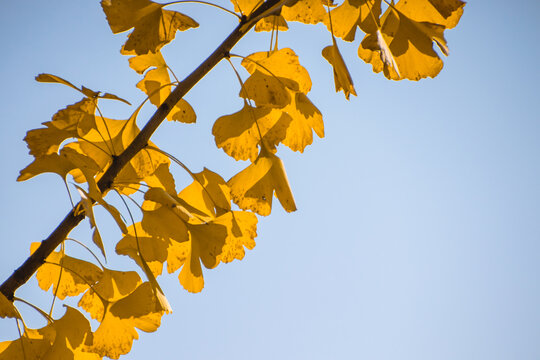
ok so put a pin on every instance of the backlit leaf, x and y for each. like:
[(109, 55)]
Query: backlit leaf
[(31, 346), (246, 7), (153, 26), (154, 250), (282, 63), (267, 90), (7, 309), (89, 213), (342, 78), (411, 44), (272, 22), (138, 310), (156, 84), (112, 286), (87, 92), (306, 118), (239, 134), (306, 11), (73, 337), (241, 233), (352, 14), (253, 188), (442, 12), (77, 275)]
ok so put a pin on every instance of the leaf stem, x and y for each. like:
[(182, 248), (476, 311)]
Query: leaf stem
[(41, 312), (89, 250), (62, 247)]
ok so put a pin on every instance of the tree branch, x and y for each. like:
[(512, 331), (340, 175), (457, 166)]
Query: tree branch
[(34, 261)]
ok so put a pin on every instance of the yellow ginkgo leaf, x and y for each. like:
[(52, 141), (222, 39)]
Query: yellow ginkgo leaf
[(245, 7), (67, 161), (115, 335), (241, 233), (342, 77), (52, 163), (253, 188), (73, 338), (156, 84), (442, 12), (267, 90), (154, 250), (305, 11), (111, 137), (409, 42), (111, 287), (49, 78), (7, 309), (272, 22), (46, 141), (305, 119), (283, 64), (153, 26), (161, 178), (205, 244), (212, 185), (33, 344), (89, 213), (352, 14), (143, 263), (166, 223), (77, 275), (239, 134)]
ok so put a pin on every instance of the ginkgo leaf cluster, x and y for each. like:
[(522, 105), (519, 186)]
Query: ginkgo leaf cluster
[(190, 228)]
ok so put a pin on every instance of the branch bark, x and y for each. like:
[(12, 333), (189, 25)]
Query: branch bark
[(22, 274)]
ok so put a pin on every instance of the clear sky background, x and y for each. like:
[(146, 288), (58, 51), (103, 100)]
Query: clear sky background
[(417, 234)]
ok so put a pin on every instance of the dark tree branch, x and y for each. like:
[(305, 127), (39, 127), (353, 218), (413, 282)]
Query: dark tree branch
[(34, 261)]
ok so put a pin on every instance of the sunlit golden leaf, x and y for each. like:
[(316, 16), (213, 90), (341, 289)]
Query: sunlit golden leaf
[(73, 337), (272, 22), (77, 275), (217, 190), (267, 90), (115, 335), (409, 42), (342, 78), (7, 309), (156, 84), (442, 12), (112, 286), (161, 178), (89, 213), (205, 244), (352, 14), (49, 78), (306, 118), (111, 137), (253, 188), (282, 63), (306, 11), (239, 134), (241, 232), (154, 250), (31, 346), (166, 223), (153, 26), (52, 163), (246, 7)]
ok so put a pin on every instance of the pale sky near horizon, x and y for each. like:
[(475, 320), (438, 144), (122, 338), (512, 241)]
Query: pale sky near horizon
[(417, 234)]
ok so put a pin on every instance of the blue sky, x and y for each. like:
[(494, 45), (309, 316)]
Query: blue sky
[(417, 234)]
